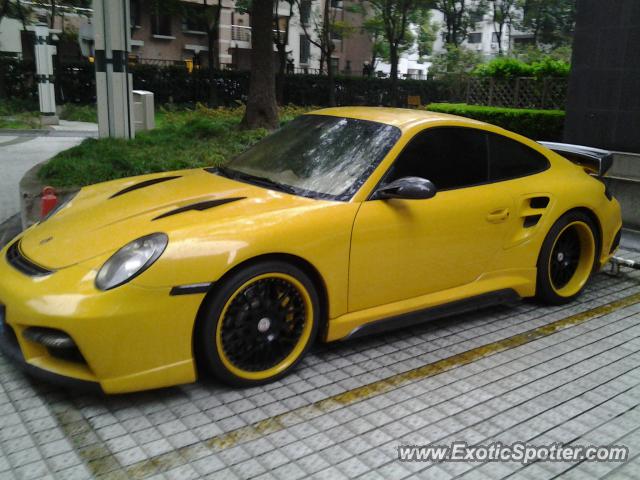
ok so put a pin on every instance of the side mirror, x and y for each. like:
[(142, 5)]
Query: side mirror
[(409, 188)]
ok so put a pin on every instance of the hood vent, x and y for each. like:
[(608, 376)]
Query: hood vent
[(200, 206), (146, 183)]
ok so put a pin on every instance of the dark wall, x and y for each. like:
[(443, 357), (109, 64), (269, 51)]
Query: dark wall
[(603, 103)]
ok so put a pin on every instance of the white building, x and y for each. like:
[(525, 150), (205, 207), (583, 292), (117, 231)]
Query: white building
[(482, 39)]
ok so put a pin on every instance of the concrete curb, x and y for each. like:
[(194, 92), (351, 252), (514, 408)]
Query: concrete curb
[(47, 133), (9, 229)]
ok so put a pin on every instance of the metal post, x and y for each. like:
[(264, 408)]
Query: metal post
[(44, 75), (113, 80)]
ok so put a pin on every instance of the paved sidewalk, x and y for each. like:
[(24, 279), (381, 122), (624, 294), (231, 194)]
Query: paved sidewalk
[(568, 374), (22, 150)]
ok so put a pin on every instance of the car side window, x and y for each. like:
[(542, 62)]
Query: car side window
[(450, 157), (511, 159)]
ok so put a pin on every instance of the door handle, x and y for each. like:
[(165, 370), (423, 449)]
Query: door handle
[(498, 216)]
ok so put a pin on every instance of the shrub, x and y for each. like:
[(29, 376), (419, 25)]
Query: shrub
[(503, 67), (535, 124), (509, 67)]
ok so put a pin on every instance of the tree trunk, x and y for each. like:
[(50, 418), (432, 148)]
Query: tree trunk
[(211, 56), (393, 56), (262, 111), (331, 82), (282, 59), (213, 32)]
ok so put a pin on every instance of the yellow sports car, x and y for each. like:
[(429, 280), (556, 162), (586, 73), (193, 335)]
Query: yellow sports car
[(345, 222)]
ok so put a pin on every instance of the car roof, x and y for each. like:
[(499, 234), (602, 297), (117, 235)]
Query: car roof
[(402, 118)]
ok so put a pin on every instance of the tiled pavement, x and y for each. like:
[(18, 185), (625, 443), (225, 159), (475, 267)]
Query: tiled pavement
[(525, 372)]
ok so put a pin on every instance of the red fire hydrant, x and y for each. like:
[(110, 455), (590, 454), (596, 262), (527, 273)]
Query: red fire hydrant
[(48, 202)]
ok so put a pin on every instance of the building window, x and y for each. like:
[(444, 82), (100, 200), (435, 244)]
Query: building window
[(135, 13), (161, 24), (336, 3), (305, 49), (335, 64), (494, 37), (475, 37), (476, 17), (305, 11), (194, 18)]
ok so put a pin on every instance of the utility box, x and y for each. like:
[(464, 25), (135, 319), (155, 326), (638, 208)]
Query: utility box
[(143, 110)]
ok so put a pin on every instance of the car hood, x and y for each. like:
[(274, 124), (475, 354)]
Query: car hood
[(103, 218)]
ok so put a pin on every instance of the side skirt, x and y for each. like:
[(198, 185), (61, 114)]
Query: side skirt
[(457, 307)]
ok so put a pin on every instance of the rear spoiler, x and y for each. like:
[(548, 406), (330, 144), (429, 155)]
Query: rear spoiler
[(595, 160)]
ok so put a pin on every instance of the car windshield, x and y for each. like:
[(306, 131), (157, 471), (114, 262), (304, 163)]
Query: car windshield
[(318, 156)]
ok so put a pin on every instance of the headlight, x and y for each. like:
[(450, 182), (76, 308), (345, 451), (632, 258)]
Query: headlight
[(59, 207), (131, 260)]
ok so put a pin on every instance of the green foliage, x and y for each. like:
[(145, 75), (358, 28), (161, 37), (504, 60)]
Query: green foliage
[(455, 60), (79, 113), (551, 21), (535, 124), (460, 17), (427, 32), (503, 67), (510, 67), (183, 139), (533, 53)]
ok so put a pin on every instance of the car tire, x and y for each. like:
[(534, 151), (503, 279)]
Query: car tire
[(567, 259), (259, 323)]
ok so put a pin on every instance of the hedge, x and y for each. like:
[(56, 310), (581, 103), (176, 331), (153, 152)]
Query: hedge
[(535, 124)]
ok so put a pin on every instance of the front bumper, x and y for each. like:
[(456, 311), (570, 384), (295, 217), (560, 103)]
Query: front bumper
[(130, 338), (10, 348)]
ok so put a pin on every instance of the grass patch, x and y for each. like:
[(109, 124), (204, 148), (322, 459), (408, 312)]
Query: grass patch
[(79, 113), (19, 115), (186, 139)]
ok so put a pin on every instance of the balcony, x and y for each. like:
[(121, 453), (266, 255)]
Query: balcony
[(240, 33)]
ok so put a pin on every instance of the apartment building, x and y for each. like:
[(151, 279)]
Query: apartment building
[(178, 35), (166, 37)]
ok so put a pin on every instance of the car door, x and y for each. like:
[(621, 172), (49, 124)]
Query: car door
[(402, 249)]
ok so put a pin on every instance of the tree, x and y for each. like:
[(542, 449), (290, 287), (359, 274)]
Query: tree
[(551, 22), (261, 111), (458, 18), (427, 32), (394, 15), (503, 15), (326, 28), (211, 21)]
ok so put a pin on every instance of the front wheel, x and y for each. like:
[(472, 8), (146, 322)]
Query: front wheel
[(567, 259), (259, 324)]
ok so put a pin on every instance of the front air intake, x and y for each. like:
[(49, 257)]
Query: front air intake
[(17, 260)]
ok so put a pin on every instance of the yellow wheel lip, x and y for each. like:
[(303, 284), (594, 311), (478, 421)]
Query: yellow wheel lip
[(585, 264), (297, 350)]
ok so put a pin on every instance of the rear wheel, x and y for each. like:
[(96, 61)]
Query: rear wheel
[(259, 324), (567, 259)]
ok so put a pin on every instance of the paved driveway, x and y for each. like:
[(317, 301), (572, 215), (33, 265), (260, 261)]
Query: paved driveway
[(19, 153), (525, 372)]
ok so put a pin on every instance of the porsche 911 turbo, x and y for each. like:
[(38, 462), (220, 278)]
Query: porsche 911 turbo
[(344, 222)]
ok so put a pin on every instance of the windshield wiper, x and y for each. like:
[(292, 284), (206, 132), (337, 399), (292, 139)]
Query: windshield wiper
[(262, 181), (267, 182)]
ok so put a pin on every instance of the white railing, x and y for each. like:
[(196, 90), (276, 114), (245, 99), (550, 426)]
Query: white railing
[(240, 33)]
